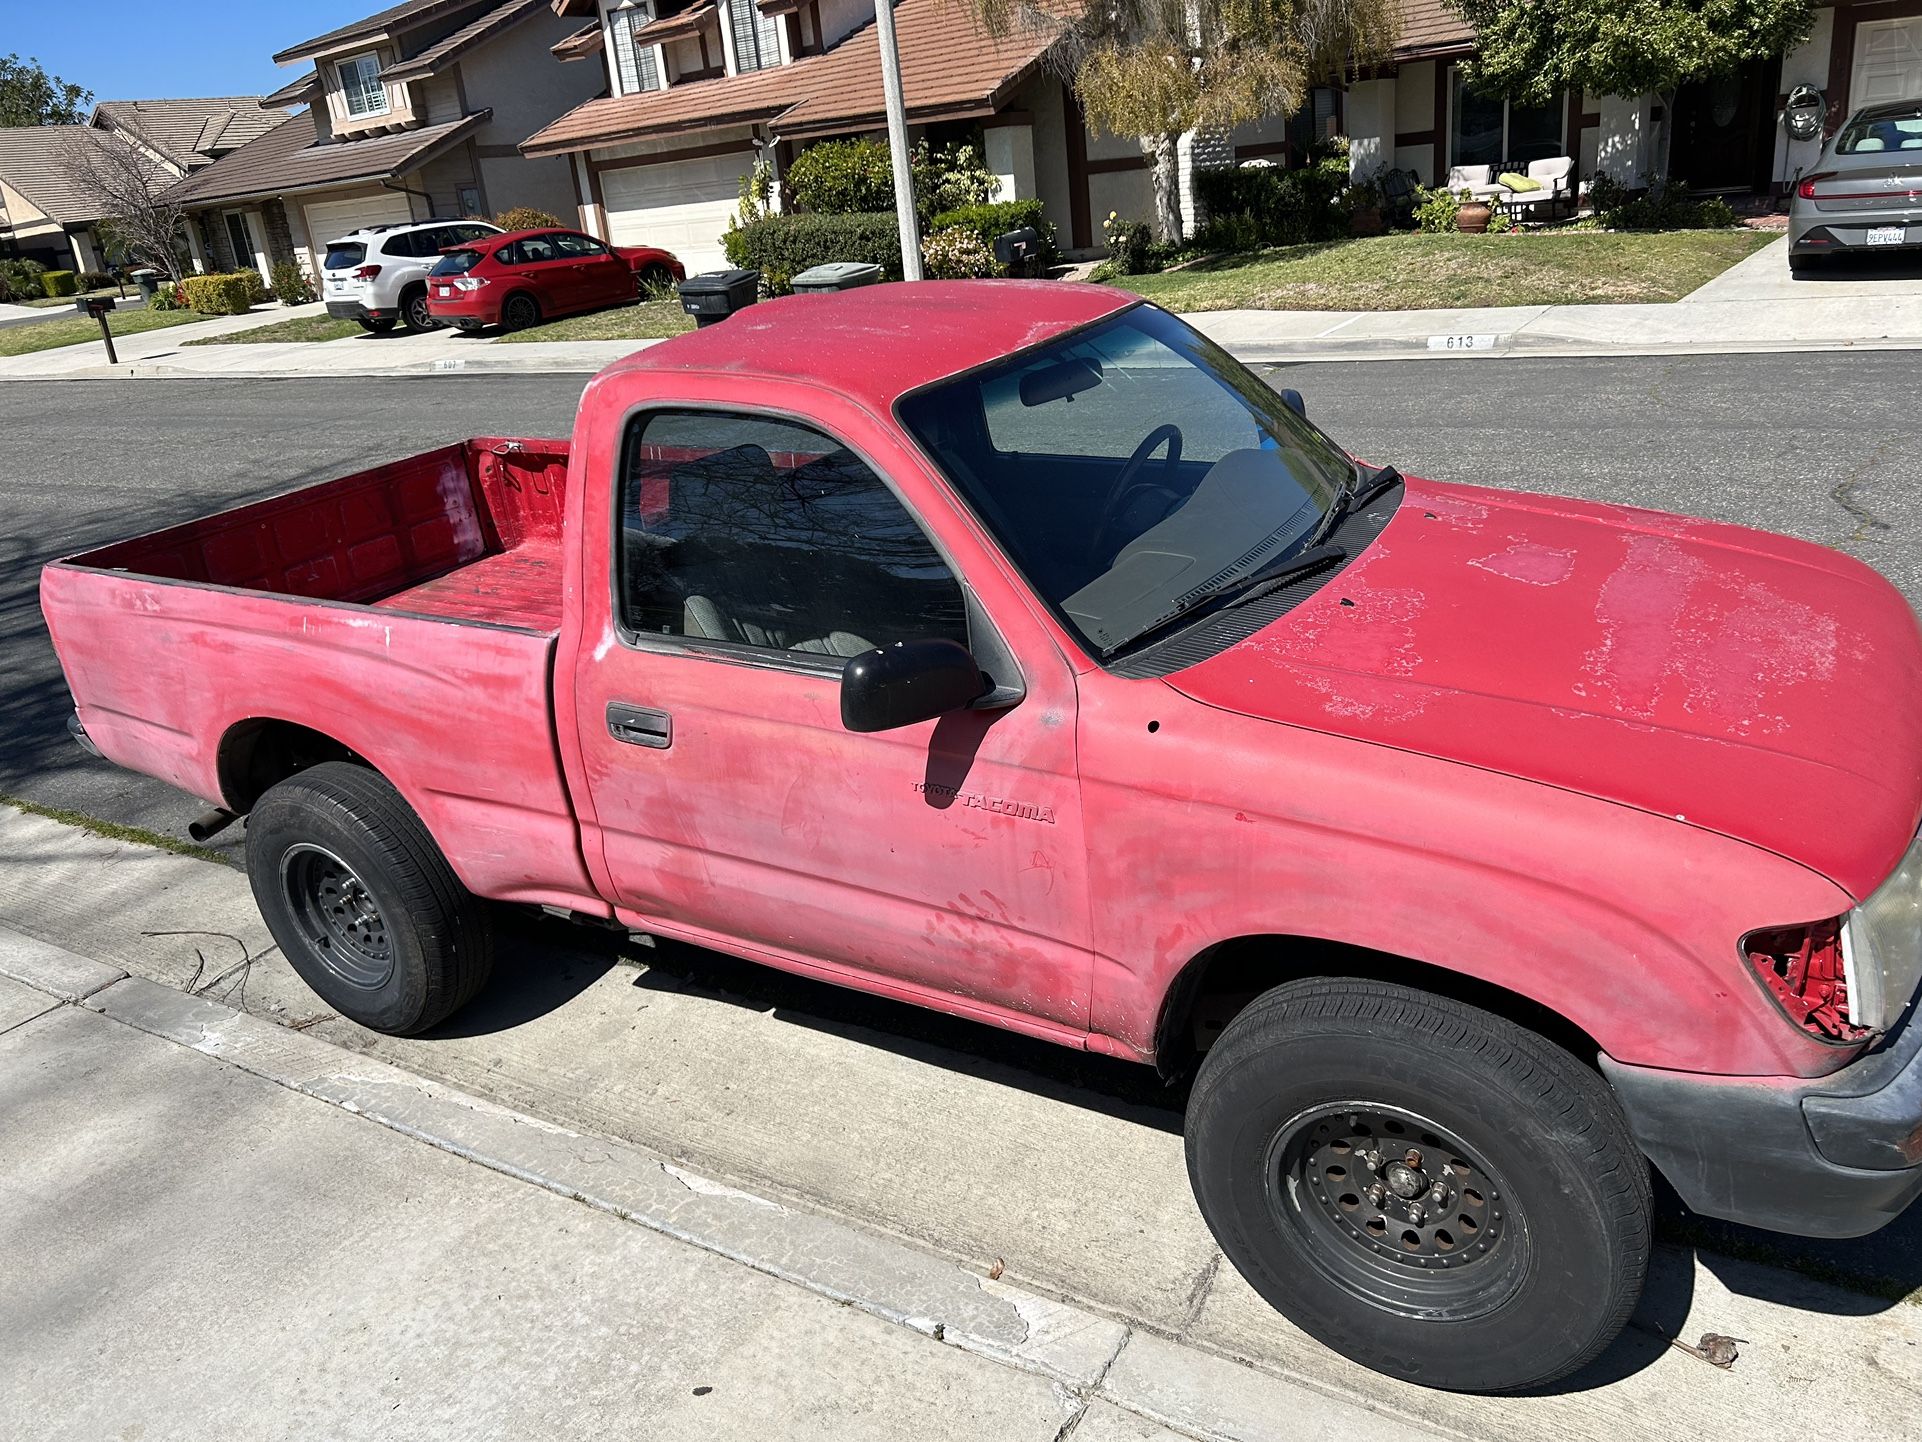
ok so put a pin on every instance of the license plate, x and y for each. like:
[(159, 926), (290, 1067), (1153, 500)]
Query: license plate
[(444, 291), (1887, 234)]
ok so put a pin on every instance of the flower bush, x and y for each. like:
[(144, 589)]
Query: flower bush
[(292, 284), (957, 253)]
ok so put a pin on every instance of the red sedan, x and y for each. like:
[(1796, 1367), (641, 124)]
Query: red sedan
[(527, 276)]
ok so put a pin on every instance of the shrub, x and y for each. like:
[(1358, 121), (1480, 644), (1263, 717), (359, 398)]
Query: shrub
[(1284, 207), (292, 284), (525, 217), (842, 177), (1130, 245), (6, 289), (257, 292), (1227, 234), (1669, 208), (24, 277), (216, 294), (94, 279), (950, 178), (1436, 210), (957, 253), (782, 246), (59, 282), (997, 218), (167, 296)]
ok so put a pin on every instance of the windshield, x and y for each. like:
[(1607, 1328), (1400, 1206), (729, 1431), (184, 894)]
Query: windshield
[(1895, 129), (457, 262), (1129, 467), (345, 254)]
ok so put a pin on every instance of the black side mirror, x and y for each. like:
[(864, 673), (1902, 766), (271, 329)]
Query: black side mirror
[(1292, 399), (907, 682)]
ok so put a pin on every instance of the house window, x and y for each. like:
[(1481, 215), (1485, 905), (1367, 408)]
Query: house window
[(1490, 130), (360, 85), (755, 44), (635, 66)]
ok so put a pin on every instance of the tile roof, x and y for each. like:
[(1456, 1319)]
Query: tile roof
[(950, 68), (412, 12), (289, 158), (1430, 27), (191, 133), (584, 42), (683, 26), (478, 31), (47, 164), (294, 92)]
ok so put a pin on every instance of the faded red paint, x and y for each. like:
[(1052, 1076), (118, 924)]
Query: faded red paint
[(1574, 751)]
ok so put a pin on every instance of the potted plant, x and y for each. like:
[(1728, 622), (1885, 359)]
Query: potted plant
[(1362, 201), (1474, 215)]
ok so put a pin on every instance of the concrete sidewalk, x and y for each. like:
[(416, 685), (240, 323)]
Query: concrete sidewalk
[(1754, 306), (970, 1145), (247, 1232)]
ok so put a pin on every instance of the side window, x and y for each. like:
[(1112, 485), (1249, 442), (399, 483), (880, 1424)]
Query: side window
[(465, 233), (537, 248), (579, 247), (509, 254), (424, 242), (765, 533)]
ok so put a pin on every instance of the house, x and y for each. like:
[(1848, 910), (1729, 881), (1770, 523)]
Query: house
[(48, 211), (411, 113), (1414, 112)]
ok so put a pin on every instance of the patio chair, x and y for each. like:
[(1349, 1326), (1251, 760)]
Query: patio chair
[(1477, 180), (1557, 185)]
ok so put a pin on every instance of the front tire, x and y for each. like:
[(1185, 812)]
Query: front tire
[(1426, 1188), (362, 902)]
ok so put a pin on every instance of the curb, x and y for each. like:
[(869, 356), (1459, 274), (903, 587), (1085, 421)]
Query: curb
[(1123, 1379)]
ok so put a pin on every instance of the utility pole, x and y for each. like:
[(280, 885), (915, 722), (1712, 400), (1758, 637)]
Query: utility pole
[(898, 140)]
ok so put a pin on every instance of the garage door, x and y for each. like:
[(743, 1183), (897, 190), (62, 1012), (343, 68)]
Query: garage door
[(330, 220), (1888, 61), (680, 205)]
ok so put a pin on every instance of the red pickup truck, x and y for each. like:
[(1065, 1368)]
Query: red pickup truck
[(1010, 649)]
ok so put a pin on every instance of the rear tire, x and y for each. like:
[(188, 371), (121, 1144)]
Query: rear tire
[(375, 327), (362, 902), (1805, 264), (414, 313), (520, 311), (1505, 1255)]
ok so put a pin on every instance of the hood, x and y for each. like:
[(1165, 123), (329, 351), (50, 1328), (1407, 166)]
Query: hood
[(1749, 684)]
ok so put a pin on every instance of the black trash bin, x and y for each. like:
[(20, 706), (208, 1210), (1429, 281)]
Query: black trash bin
[(836, 275), (718, 294)]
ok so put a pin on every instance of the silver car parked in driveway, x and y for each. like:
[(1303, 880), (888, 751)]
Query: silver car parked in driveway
[(1865, 192)]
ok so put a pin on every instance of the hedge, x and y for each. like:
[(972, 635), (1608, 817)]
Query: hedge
[(997, 218), (782, 246), (59, 282), (257, 292), (842, 177), (217, 294), (1269, 205)]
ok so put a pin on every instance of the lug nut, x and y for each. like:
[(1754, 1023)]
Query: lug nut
[(1377, 1194), (1439, 1194), (1371, 1160), (1416, 1215), (1413, 1159)]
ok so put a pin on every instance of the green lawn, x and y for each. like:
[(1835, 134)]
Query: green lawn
[(50, 334), (1422, 272), (48, 302), (651, 320), (300, 327)]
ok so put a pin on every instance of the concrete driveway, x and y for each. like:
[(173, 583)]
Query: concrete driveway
[(1765, 276)]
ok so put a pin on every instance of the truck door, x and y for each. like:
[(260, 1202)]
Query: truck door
[(754, 555)]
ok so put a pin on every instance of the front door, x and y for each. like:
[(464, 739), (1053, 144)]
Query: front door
[(1725, 130), (755, 556)]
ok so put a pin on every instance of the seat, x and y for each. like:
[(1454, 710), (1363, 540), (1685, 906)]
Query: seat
[(704, 619), (1477, 180), (1554, 175)]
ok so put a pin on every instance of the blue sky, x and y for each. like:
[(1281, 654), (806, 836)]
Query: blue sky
[(212, 47)]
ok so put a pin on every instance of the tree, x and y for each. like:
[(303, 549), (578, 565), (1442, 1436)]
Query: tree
[(30, 96), (1535, 50), (1160, 68), (132, 188)]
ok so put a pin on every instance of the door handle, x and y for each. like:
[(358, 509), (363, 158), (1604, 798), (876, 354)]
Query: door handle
[(638, 726)]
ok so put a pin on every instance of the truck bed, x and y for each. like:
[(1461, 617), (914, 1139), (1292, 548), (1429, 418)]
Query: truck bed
[(408, 614), (470, 532)]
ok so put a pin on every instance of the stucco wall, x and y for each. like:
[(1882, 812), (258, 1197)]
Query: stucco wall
[(1040, 96), (526, 88), (1807, 64), (1371, 126)]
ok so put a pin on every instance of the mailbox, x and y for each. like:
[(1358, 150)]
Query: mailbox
[(94, 305), (1019, 250)]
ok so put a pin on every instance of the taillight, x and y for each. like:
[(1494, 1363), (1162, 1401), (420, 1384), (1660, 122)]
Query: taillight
[(1805, 973), (367, 272), (1806, 190), (470, 282)]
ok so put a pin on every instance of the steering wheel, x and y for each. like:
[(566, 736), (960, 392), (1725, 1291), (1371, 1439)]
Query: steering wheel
[(1124, 485)]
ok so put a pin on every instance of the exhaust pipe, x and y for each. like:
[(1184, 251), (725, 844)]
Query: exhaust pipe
[(210, 824)]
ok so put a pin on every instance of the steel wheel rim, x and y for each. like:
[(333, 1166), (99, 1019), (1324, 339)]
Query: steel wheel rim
[(418, 313), (1437, 1237), (336, 912)]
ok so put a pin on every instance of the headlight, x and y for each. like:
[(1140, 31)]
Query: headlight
[(1882, 946)]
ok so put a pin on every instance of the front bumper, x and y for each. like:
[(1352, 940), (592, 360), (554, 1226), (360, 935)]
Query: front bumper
[(1838, 1156)]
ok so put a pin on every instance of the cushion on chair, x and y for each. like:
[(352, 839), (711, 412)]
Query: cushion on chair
[(1519, 182), (1553, 172)]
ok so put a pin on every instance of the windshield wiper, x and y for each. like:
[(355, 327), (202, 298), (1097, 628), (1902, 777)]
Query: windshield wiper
[(1353, 495), (1263, 581)]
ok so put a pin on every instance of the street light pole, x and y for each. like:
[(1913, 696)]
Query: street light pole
[(898, 140)]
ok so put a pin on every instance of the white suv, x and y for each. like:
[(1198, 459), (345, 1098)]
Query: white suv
[(378, 274)]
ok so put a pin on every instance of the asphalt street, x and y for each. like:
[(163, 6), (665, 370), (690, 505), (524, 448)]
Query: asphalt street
[(1814, 445)]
